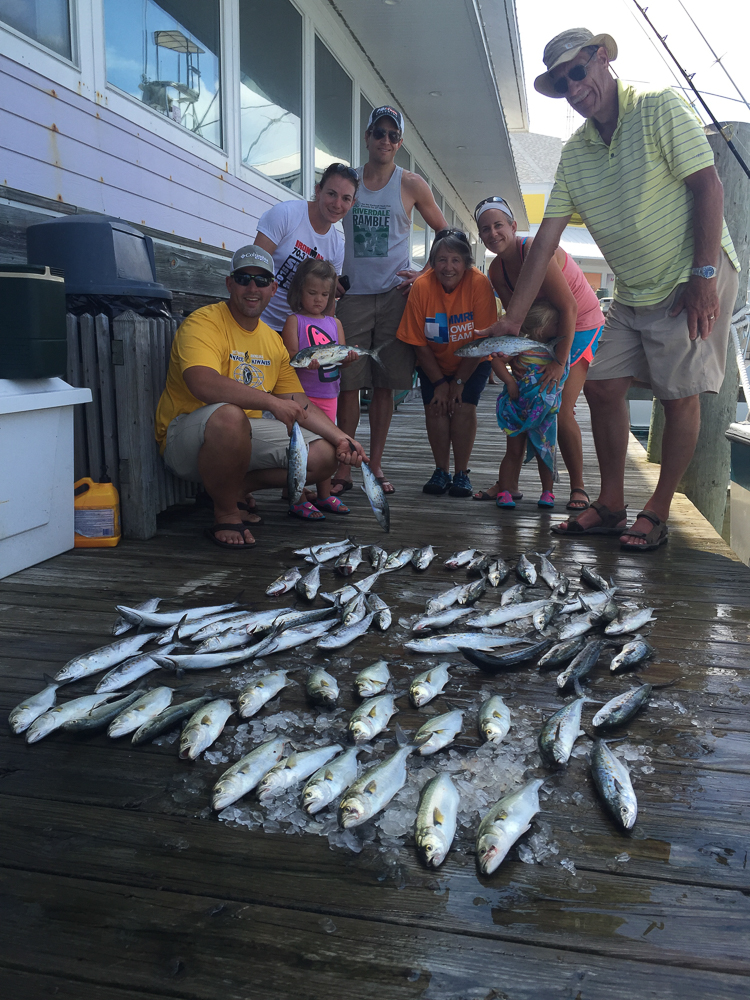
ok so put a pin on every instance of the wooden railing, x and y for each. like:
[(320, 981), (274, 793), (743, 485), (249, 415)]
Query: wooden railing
[(124, 363)]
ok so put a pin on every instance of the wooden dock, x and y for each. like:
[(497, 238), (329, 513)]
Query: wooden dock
[(118, 885)]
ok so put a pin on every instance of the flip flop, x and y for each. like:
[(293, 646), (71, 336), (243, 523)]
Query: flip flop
[(333, 505), (578, 504), (345, 484), (210, 533), (387, 486), (610, 523), (306, 512), (484, 495), (658, 535)]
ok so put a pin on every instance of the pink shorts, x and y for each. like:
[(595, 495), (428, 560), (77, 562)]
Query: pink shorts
[(328, 405)]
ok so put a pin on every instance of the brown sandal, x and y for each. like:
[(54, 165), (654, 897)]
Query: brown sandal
[(611, 523), (345, 484), (657, 536), (578, 504)]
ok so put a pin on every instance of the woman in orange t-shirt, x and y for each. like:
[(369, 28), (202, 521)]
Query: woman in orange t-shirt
[(446, 304)]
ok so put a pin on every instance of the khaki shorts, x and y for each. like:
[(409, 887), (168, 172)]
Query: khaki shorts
[(185, 436), (371, 321), (655, 349)]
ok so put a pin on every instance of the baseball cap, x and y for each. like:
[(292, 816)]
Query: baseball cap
[(252, 256), (386, 112), (566, 46)]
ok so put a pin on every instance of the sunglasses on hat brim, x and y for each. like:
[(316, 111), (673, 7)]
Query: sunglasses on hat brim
[(494, 200)]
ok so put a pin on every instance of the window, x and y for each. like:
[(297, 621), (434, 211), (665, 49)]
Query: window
[(419, 232), (403, 158), (333, 111), (450, 217), (166, 54), (271, 89), (365, 110), (438, 197), (46, 21)]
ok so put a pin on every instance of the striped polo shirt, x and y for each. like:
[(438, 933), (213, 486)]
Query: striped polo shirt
[(631, 194)]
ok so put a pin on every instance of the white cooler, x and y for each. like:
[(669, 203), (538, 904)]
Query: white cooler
[(36, 470)]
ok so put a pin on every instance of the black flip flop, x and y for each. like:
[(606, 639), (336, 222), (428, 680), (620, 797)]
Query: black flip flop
[(210, 533)]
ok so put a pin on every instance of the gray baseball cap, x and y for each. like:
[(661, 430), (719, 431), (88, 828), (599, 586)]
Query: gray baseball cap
[(252, 256)]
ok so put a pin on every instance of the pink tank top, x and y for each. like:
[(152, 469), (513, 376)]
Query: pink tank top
[(321, 383)]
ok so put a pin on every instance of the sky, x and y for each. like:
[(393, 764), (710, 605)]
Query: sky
[(642, 60)]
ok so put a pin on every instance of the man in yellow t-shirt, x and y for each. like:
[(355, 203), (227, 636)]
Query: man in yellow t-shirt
[(226, 368)]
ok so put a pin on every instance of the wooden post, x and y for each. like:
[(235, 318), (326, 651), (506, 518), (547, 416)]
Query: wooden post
[(707, 477)]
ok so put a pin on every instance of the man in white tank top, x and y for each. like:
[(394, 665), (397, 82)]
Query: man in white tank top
[(376, 261)]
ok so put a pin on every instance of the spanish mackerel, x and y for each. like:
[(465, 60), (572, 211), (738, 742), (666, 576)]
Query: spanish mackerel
[(632, 653), (143, 709), (163, 619), (102, 658), (526, 570), (122, 625), (296, 469), (56, 717), (343, 636), (102, 715), (374, 493), (284, 583), (508, 346), (422, 558), (167, 719), (453, 642), (509, 613)]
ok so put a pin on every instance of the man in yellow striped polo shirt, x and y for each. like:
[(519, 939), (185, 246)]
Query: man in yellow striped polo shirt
[(641, 174)]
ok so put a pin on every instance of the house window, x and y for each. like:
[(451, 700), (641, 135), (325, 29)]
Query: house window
[(333, 111), (166, 55), (365, 110), (46, 21), (403, 158), (271, 89)]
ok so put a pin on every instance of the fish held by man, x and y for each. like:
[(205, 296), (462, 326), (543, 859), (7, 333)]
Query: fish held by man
[(376, 497)]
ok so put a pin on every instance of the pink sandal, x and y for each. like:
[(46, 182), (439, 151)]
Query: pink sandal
[(505, 500), (547, 499), (306, 511), (332, 504)]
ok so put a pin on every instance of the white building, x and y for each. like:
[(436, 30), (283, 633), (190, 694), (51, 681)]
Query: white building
[(189, 118)]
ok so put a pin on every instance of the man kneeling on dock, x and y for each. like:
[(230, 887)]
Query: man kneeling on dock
[(226, 368)]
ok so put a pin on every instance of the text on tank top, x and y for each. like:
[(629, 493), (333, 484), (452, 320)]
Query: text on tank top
[(377, 231)]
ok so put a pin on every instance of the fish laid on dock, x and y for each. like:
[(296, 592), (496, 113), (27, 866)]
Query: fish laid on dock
[(284, 583), (506, 821), (372, 680), (374, 789), (103, 658), (31, 708), (259, 690), (246, 774), (322, 688), (167, 720), (122, 625), (204, 727), (293, 769), (371, 717), (493, 719), (436, 819), (612, 782), (428, 685), (330, 781)]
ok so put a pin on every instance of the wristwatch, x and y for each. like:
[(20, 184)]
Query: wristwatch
[(707, 271), (458, 381)]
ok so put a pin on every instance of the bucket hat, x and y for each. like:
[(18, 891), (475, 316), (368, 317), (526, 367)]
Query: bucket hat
[(565, 47)]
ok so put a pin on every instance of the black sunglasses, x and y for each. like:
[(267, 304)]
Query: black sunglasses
[(494, 200), (458, 233), (261, 280), (381, 133), (576, 73)]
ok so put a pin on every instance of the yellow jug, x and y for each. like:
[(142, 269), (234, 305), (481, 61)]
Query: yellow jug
[(97, 514)]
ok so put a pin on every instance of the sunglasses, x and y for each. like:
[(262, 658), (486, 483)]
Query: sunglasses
[(458, 233), (576, 73), (381, 133), (261, 280), (494, 200)]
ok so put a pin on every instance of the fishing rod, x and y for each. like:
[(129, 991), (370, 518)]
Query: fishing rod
[(689, 79)]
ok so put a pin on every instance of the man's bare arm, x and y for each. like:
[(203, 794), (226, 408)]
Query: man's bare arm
[(209, 387), (700, 297)]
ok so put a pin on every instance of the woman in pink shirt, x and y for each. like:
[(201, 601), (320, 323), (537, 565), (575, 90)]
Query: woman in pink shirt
[(566, 288)]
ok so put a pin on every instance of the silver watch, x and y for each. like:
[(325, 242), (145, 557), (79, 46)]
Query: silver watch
[(458, 381), (707, 271)]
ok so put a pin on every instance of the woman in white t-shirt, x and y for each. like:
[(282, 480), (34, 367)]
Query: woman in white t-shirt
[(292, 231)]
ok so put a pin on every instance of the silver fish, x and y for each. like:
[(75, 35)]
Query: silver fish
[(205, 661), (506, 821), (167, 719), (347, 562), (509, 346), (497, 572), (438, 732), (374, 789), (589, 602), (442, 619), (292, 638), (31, 708), (461, 558), (562, 652), (56, 717), (354, 611), (102, 715), (493, 719), (612, 782), (122, 625), (231, 638), (581, 665), (526, 570), (631, 654), (345, 594), (145, 708), (163, 619), (513, 595), (329, 781), (376, 496), (322, 688), (308, 585), (204, 728), (471, 592), (373, 679), (325, 551), (296, 470), (561, 588), (293, 769), (371, 717), (479, 564), (287, 618), (454, 641), (243, 776), (436, 819), (541, 618), (429, 685), (631, 622), (377, 556), (102, 658), (551, 576), (284, 583), (399, 559), (422, 558), (622, 708), (329, 355), (260, 689), (577, 626), (509, 613), (444, 600), (593, 579), (343, 636), (383, 616), (560, 731), (250, 620), (603, 615)]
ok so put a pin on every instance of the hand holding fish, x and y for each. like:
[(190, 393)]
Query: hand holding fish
[(503, 327), (288, 411), (351, 357), (349, 451)]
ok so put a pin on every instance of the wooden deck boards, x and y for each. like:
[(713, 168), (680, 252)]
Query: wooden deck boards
[(116, 884)]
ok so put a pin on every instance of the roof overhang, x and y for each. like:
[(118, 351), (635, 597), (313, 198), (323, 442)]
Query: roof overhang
[(466, 52)]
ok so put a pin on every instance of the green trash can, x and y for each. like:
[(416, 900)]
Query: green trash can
[(33, 337)]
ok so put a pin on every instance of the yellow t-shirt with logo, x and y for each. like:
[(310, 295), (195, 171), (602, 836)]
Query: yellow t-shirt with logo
[(211, 338)]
